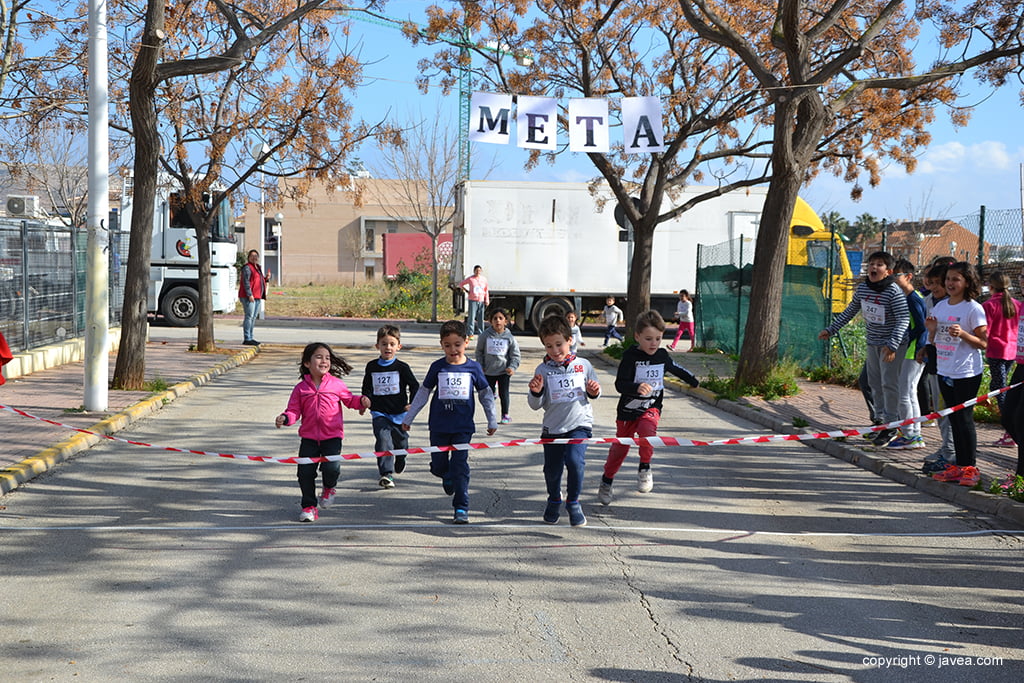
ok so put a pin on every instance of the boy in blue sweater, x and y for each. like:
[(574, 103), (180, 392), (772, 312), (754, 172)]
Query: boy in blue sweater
[(391, 386), (453, 381), (884, 307)]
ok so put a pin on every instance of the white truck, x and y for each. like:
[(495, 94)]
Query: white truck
[(174, 261), (546, 249)]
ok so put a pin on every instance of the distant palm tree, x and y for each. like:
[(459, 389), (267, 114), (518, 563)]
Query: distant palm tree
[(865, 229)]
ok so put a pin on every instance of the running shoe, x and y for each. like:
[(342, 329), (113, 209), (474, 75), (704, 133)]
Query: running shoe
[(969, 476), (448, 485), (604, 493), (461, 517), (951, 473), (903, 443), (935, 466), (386, 482), (551, 511), (645, 481), (576, 516), (399, 464), (505, 419), (327, 497), (309, 514), (883, 437)]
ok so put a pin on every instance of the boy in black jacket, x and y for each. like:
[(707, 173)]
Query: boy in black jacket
[(641, 383), (391, 385)]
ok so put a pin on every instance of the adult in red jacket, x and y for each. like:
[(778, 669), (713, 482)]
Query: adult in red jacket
[(252, 288)]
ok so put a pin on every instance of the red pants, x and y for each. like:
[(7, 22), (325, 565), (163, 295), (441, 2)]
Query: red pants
[(645, 425)]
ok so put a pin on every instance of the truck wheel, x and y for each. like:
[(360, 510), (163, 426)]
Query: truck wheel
[(180, 307), (554, 305)]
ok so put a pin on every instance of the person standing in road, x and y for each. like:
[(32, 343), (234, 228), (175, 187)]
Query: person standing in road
[(497, 351), (479, 298), (252, 289), (317, 400)]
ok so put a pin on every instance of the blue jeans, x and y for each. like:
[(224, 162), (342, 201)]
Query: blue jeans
[(310, 448), (452, 465), (475, 320), (388, 437), (611, 331), (569, 457), (250, 309)]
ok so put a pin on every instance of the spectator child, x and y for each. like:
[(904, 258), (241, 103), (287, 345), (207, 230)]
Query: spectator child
[(316, 400), (938, 461), (1001, 314), (959, 332), (640, 382), (612, 316), (1013, 406), (498, 352), (453, 379), (577, 335), (910, 366), (391, 385), (684, 316), (884, 307), (563, 386)]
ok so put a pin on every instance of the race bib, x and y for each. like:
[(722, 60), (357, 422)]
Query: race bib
[(1020, 340), (651, 374), (385, 383), (497, 346), (872, 312), (568, 387), (454, 386), (945, 343)]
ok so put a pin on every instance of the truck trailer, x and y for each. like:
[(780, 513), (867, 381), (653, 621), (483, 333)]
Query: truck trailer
[(546, 249)]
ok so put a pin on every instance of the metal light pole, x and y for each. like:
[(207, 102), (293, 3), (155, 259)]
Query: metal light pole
[(97, 342)]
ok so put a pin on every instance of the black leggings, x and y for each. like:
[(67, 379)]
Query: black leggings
[(965, 438), (502, 382), (1013, 415)]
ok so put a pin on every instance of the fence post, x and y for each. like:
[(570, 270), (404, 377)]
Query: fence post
[(25, 286), (739, 296), (981, 239), (697, 308)]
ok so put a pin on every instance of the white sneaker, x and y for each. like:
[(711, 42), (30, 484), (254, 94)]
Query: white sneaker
[(644, 481), (327, 497), (604, 493), (308, 514)]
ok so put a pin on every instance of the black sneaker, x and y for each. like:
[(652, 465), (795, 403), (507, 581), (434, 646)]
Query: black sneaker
[(551, 511), (399, 464), (885, 436), (448, 485), (576, 516), (931, 467)]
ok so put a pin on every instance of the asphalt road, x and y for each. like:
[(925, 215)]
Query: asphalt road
[(757, 563)]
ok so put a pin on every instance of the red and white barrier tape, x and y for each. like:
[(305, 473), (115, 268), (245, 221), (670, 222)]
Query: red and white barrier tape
[(626, 441)]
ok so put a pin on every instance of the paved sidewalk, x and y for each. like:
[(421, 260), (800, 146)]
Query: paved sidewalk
[(29, 447)]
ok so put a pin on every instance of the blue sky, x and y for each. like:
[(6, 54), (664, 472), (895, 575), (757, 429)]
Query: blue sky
[(960, 170)]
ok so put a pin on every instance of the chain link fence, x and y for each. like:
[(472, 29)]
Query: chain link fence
[(723, 299), (42, 281), (1000, 241)]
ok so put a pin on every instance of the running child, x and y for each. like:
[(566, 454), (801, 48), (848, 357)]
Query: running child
[(612, 316), (641, 382), (391, 386), (316, 400), (453, 380), (498, 352), (959, 331), (684, 316), (577, 334), (563, 386)]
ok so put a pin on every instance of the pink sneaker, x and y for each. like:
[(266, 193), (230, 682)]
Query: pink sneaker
[(309, 514), (1005, 441), (327, 497)]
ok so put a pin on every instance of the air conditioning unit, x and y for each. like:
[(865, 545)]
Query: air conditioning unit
[(22, 205)]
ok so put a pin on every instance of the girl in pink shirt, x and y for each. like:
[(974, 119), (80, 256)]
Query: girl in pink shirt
[(316, 400), (1001, 313)]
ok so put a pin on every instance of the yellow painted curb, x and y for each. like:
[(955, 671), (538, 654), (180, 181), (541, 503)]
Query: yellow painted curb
[(46, 459)]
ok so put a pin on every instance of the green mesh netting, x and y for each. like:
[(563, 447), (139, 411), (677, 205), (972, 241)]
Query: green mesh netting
[(723, 297)]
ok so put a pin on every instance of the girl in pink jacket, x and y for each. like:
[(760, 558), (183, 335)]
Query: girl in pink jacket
[(316, 400)]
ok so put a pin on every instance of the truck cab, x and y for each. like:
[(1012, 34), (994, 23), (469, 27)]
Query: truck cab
[(174, 261)]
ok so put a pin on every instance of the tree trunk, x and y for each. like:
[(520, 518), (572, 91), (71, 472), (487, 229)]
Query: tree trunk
[(204, 334), (433, 277), (638, 293), (130, 367), (798, 127)]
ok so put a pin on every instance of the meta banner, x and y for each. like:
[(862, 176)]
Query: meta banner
[(589, 126)]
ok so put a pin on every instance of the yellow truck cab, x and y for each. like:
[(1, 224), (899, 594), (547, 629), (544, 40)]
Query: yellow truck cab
[(809, 245)]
